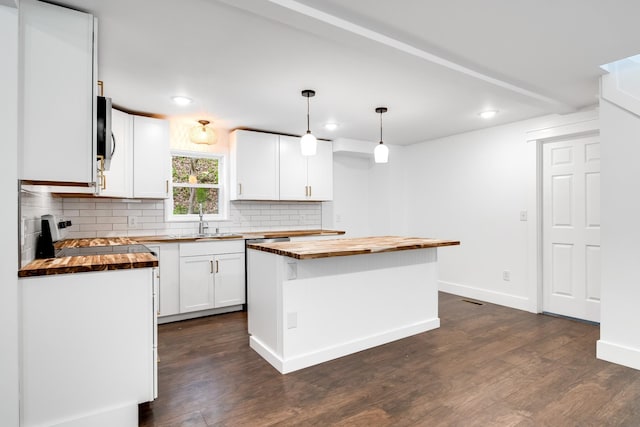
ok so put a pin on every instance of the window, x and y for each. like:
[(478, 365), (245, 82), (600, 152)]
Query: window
[(196, 180)]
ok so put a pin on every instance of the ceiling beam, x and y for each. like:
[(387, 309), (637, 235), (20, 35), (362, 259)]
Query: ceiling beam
[(377, 37)]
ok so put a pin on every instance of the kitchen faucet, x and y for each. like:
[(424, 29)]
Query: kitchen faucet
[(201, 226)]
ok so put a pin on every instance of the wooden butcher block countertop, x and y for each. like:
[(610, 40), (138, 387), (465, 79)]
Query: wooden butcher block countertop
[(344, 247), (85, 263)]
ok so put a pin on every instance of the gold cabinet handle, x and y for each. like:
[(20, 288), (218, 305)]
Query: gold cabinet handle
[(306, 190), (309, 191), (211, 266), (217, 267), (167, 186), (239, 189)]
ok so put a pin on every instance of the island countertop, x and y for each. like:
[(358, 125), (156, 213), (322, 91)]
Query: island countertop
[(349, 246)]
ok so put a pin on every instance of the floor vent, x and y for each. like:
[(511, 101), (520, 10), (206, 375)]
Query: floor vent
[(472, 302)]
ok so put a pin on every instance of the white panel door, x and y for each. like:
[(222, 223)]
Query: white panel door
[(118, 180), (196, 283), (151, 158), (254, 166), (293, 170), (320, 172), (571, 228), (229, 279)]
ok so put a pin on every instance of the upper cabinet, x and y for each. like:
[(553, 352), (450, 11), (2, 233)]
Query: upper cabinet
[(118, 180), (151, 157), (267, 166), (140, 162), (58, 92), (305, 177), (254, 166)]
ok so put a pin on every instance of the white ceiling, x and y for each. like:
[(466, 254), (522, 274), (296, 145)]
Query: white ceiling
[(434, 64)]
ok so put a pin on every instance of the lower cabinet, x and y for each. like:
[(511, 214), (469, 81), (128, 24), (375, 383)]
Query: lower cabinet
[(199, 276)]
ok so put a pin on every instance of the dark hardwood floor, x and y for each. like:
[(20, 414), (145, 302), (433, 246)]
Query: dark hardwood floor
[(485, 366)]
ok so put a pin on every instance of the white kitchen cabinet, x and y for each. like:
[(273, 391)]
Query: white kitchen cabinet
[(305, 177), (211, 275), (140, 163), (58, 93), (118, 180), (151, 157), (87, 347), (229, 280), (196, 283), (254, 166)]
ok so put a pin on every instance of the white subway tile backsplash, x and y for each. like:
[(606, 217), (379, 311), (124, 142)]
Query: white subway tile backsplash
[(110, 217)]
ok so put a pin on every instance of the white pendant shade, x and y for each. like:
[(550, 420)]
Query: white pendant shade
[(308, 144), (381, 153)]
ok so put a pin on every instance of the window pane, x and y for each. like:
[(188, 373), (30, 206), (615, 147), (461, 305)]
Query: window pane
[(187, 200), (194, 170)]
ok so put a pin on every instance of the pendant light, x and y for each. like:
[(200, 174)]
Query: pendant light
[(308, 142), (381, 152), (202, 134)]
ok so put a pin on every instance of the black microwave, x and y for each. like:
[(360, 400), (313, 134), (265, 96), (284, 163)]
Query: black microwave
[(106, 142)]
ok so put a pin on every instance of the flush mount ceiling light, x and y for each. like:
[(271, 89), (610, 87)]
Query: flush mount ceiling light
[(181, 100), (308, 142), (331, 126), (202, 134), (488, 114), (381, 152)]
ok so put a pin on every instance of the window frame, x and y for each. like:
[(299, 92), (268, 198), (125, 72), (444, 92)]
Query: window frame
[(223, 183)]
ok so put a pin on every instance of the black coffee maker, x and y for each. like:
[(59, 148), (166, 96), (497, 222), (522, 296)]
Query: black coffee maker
[(44, 246)]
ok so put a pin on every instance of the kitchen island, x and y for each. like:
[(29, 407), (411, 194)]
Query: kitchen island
[(313, 301)]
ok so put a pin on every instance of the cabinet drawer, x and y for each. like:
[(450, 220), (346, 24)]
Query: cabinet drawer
[(211, 247)]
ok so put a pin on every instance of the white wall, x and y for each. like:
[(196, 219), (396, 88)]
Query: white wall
[(620, 322), (9, 368), (368, 198), (472, 187)]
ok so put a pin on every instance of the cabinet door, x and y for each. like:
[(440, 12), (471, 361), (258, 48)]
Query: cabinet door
[(293, 170), (58, 93), (150, 157), (118, 180), (254, 166), (229, 280), (196, 283), (320, 172)]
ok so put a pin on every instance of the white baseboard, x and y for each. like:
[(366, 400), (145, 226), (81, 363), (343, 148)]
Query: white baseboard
[(512, 301), (125, 416), (330, 353), (196, 314), (619, 354)]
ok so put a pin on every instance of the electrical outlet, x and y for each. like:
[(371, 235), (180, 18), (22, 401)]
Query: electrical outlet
[(523, 215), (132, 221), (506, 275), (338, 218)]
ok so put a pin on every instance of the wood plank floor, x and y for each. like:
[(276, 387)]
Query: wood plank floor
[(485, 366)]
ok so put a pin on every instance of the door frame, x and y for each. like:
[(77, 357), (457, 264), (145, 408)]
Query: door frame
[(580, 125)]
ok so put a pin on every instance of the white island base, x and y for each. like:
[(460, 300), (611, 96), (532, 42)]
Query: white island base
[(303, 312)]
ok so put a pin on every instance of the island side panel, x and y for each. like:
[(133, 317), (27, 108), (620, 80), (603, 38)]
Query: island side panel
[(87, 346), (342, 305), (264, 304)]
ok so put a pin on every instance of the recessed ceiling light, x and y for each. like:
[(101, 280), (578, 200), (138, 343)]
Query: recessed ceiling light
[(488, 114), (331, 126), (182, 100)]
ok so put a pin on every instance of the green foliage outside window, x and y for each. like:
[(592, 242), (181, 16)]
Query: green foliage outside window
[(195, 182)]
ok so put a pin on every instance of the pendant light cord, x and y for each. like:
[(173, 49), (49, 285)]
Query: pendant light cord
[(308, 129), (381, 128)]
